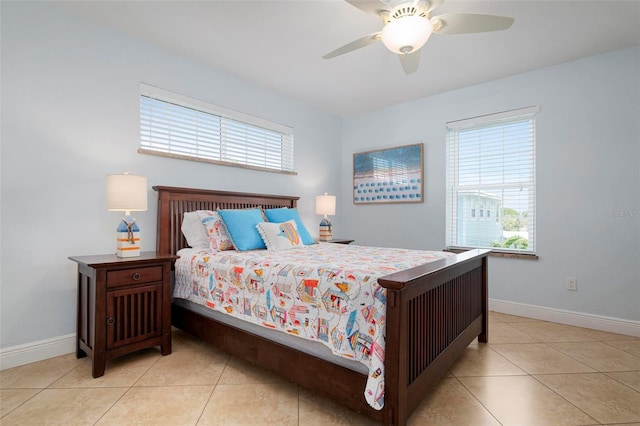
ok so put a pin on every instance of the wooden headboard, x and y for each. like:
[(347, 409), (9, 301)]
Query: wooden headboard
[(173, 202)]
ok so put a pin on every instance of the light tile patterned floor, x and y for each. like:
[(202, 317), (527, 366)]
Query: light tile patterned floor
[(531, 373)]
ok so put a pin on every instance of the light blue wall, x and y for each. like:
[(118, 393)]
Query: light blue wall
[(70, 94), (588, 181)]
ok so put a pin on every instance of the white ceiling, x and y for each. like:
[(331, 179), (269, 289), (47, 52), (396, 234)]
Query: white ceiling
[(279, 44)]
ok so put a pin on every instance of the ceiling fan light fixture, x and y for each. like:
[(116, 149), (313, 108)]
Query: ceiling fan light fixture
[(406, 34)]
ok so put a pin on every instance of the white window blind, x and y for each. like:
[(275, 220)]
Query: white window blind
[(177, 126), (491, 182)]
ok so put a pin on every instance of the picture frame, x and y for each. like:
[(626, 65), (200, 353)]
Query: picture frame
[(391, 175)]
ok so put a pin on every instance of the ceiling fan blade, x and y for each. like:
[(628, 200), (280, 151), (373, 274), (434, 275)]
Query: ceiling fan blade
[(464, 23), (373, 7), (434, 4), (410, 62), (356, 44)]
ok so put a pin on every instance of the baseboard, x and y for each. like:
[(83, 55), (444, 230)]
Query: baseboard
[(578, 319), (37, 351)]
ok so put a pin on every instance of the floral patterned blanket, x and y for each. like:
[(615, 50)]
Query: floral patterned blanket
[(323, 292)]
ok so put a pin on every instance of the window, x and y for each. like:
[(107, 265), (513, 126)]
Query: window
[(491, 162), (177, 126)]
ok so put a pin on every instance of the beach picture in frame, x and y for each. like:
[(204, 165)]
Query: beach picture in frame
[(393, 175)]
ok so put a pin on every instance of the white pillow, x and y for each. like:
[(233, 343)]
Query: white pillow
[(280, 236), (194, 231)]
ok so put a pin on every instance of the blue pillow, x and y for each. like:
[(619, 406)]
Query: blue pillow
[(241, 225), (284, 214)]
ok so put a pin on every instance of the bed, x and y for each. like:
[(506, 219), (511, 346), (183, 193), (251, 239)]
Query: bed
[(433, 312)]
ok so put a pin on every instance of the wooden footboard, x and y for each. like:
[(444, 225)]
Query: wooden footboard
[(433, 312)]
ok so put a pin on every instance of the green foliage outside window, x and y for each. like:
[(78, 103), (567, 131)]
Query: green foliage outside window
[(515, 242)]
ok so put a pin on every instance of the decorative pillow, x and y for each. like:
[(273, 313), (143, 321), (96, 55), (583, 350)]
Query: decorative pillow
[(215, 232), (280, 236), (284, 214), (241, 225), (193, 231)]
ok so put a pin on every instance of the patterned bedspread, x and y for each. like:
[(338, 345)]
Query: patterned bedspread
[(323, 292)]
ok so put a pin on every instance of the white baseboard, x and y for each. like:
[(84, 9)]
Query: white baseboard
[(578, 319), (37, 351)]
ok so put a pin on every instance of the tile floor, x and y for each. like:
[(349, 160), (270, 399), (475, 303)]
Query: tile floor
[(531, 373)]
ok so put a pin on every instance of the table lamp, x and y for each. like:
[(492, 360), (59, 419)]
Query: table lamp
[(325, 205), (127, 193)]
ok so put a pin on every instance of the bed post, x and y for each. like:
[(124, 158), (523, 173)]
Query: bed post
[(484, 335), (163, 238), (395, 397)]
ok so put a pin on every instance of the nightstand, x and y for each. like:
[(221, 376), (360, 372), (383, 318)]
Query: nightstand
[(340, 241), (124, 305)]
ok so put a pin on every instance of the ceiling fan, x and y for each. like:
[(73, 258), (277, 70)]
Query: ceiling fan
[(409, 24)]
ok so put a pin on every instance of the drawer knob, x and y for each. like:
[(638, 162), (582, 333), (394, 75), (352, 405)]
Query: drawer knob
[(111, 321), (136, 276)]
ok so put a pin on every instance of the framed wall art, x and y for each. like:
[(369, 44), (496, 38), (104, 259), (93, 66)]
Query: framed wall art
[(393, 175)]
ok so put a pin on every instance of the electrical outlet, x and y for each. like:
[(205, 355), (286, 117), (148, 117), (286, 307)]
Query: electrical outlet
[(572, 284)]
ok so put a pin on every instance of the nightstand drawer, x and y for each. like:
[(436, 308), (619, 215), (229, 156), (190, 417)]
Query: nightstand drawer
[(134, 276)]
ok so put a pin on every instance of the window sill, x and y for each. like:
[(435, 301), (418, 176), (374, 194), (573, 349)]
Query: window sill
[(512, 255), (206, 160)]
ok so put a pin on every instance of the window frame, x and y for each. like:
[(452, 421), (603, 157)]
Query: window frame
[(228, 119), (453, 186)]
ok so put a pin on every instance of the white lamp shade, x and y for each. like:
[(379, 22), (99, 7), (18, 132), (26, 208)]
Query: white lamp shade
[(326, 204), (406, 34), (126, 193)]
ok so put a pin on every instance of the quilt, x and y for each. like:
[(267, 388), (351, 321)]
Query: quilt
[(324, 292)]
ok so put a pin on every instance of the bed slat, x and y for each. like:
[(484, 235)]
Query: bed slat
[(459, 300)]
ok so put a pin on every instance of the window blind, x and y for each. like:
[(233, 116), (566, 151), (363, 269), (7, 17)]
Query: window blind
[(177, 126), (491, 182)]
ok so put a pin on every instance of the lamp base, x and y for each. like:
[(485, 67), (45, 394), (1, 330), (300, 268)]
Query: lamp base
[(325, 231), (124, 247), (128, 238)]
